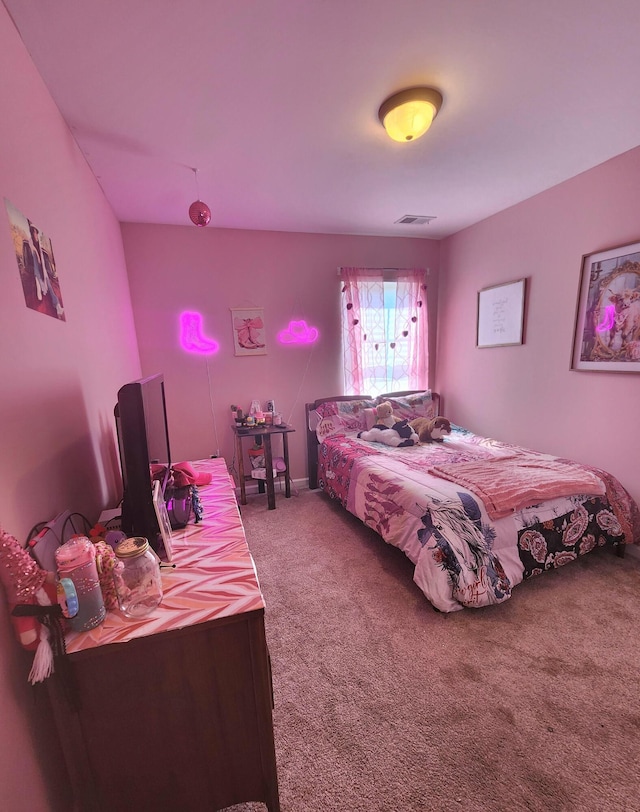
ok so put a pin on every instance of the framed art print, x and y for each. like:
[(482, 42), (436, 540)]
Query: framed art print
[(607, 324), (248, 331), (36, 265), (501, 314)]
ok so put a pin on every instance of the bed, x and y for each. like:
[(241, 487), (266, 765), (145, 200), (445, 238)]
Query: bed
[(475, 516)]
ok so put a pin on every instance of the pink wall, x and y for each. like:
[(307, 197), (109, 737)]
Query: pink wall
[(59, 378), (291, 276), (528, 394)]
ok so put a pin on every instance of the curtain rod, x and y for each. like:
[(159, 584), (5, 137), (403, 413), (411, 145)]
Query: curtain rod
[(382, 269)]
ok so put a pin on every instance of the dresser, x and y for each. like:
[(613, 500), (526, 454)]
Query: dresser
[(174, 711)]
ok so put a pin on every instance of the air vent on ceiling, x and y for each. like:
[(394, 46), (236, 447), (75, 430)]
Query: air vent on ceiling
[(415, 220)]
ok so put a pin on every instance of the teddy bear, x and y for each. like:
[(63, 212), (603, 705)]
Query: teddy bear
[(431, 430), (385, 416)]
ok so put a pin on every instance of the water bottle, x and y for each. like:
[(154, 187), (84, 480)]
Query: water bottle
[(79, 590)]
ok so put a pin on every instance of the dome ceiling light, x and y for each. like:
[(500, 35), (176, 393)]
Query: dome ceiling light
[(408, 114)]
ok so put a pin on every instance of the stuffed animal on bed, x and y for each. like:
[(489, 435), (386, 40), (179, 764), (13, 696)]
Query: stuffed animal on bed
[(431, 430), (401, 435), (385, 416)]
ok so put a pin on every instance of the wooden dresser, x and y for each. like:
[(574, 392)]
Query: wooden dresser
[(174, 711)]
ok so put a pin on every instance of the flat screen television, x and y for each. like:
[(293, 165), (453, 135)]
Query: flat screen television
[(143, 439)]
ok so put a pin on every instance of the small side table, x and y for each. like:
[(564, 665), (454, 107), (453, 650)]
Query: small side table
[(266, 432)]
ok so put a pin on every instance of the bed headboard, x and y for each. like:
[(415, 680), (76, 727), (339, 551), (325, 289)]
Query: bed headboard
[(312, 440)]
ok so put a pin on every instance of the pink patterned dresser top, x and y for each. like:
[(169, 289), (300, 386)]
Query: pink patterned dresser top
[(214, 575)]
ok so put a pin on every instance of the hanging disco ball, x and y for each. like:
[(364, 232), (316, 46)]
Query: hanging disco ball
[(199, 213)]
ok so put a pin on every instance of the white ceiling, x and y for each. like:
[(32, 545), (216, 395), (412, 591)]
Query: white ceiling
[(275, 103)]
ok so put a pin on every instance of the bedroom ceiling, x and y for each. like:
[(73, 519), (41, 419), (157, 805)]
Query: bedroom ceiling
[(275, 103)]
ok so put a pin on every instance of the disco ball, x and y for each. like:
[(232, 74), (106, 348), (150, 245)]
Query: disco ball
[(199, 213)]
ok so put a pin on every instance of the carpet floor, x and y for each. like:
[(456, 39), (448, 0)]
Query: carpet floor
[(384, 705)]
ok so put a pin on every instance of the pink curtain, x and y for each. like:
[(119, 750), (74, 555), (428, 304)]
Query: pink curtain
[(384, 330)]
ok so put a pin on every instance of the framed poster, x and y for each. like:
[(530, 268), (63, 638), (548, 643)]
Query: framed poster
[(248, 331), (606, 334), (36, 265), (501, 314)]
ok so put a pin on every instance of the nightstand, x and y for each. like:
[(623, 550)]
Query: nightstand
[(266, 433)]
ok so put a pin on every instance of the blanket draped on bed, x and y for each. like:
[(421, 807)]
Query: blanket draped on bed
[(508, 485)]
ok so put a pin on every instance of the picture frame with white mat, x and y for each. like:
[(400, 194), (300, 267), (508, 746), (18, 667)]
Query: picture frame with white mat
[(163, 520)]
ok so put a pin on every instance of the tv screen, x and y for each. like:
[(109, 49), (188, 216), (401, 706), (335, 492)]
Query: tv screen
[(143, 439)]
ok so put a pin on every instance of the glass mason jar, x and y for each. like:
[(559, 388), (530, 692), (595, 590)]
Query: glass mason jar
[(137, 577)]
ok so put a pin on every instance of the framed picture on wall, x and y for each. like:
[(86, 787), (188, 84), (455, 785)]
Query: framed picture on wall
[(248, 331), (607, 325), (501, 314), (36, 265)]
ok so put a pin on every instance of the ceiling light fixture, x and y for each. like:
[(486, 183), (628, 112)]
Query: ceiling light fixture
[(408, 114), (199, 212)]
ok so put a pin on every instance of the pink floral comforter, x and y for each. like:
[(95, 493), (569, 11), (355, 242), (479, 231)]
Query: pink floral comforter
[(464, 553)]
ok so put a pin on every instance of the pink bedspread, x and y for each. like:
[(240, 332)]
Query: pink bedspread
[(508, 485), (445, 525)]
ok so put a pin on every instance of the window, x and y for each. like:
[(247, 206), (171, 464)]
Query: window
[(384, 330)]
